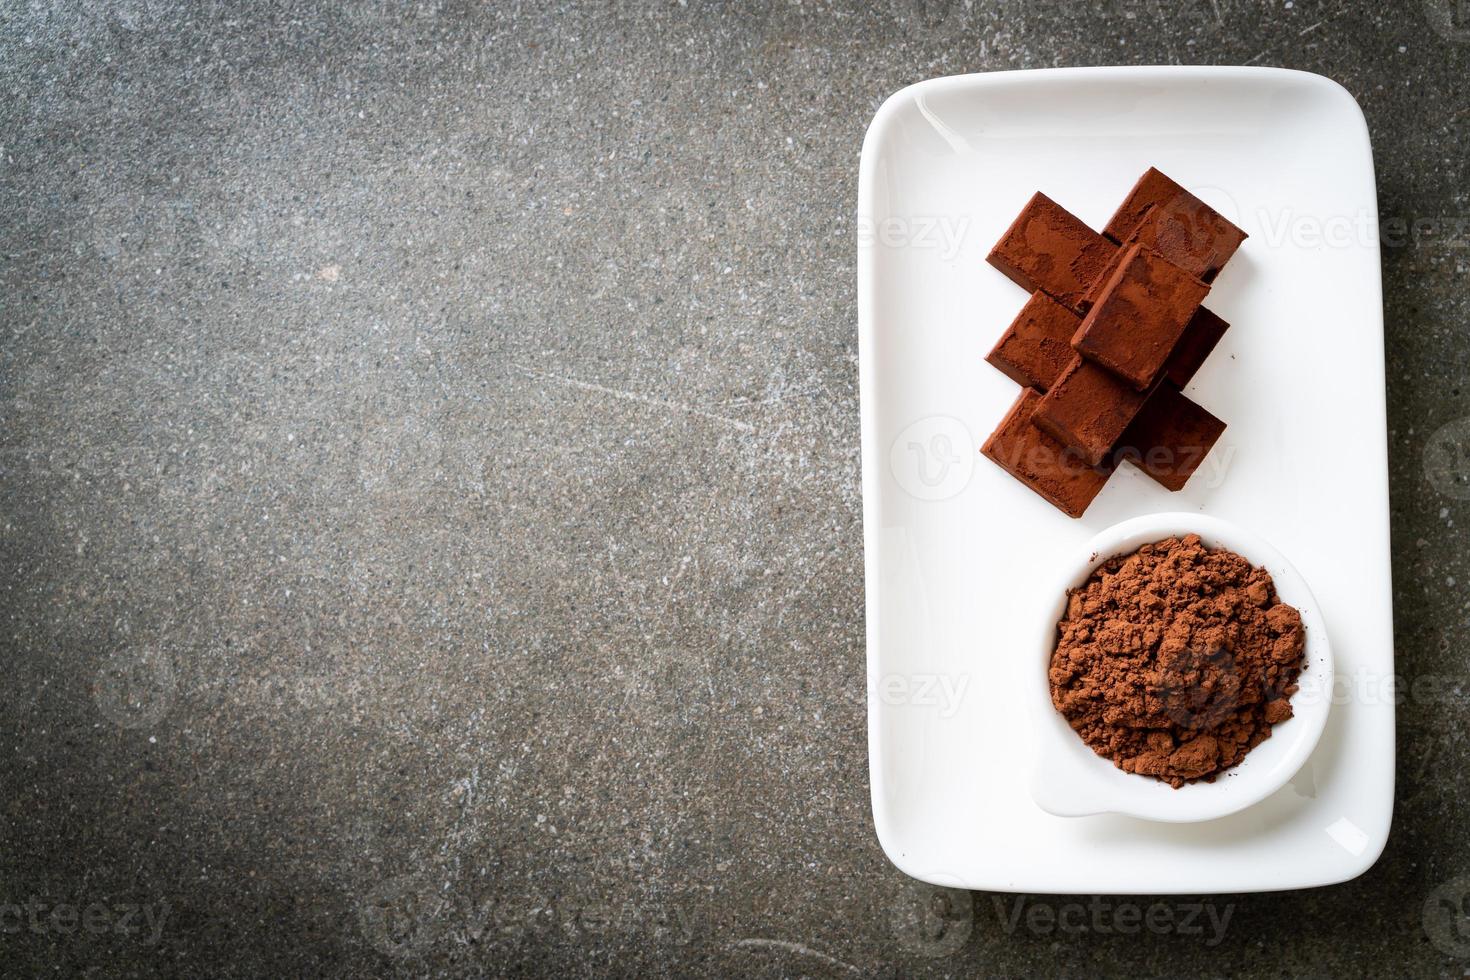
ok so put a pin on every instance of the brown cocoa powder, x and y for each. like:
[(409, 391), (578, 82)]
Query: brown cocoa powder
[(1176, 660)]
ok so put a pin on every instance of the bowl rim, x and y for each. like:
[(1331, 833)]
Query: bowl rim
[(1069, 779)]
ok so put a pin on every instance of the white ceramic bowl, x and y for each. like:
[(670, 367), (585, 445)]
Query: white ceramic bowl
[(1070, 780)]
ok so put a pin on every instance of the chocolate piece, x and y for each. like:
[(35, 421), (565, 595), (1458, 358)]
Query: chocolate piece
[(1037, 347), (1140, 316), (1050, 249), (1042, 463), (1169, 438), (1088, 409), (1179, 226), (1200, 337)]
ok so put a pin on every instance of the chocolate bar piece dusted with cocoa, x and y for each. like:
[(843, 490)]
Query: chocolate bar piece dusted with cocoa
[(1037, 346), (1140, 316), (1161, 214), (1040, 462), (1050, 249), (1200, 337), (1169, 437), (1088, 409)]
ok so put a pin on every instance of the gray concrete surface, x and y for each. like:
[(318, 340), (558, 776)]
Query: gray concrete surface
[(431, 538)]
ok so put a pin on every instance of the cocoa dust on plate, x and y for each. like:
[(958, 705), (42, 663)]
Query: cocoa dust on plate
[(1176, 660)]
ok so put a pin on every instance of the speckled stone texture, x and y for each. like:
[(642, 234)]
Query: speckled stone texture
[(429, 489)]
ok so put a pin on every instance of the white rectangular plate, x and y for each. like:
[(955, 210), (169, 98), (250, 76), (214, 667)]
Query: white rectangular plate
[(957, 551)]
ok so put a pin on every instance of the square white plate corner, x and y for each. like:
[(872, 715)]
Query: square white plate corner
[(957, 552)]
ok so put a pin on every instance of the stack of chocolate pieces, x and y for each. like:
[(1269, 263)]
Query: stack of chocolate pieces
[(1112, 332)]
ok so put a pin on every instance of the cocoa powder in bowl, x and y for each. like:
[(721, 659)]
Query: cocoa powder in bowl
[(1176, 660)]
